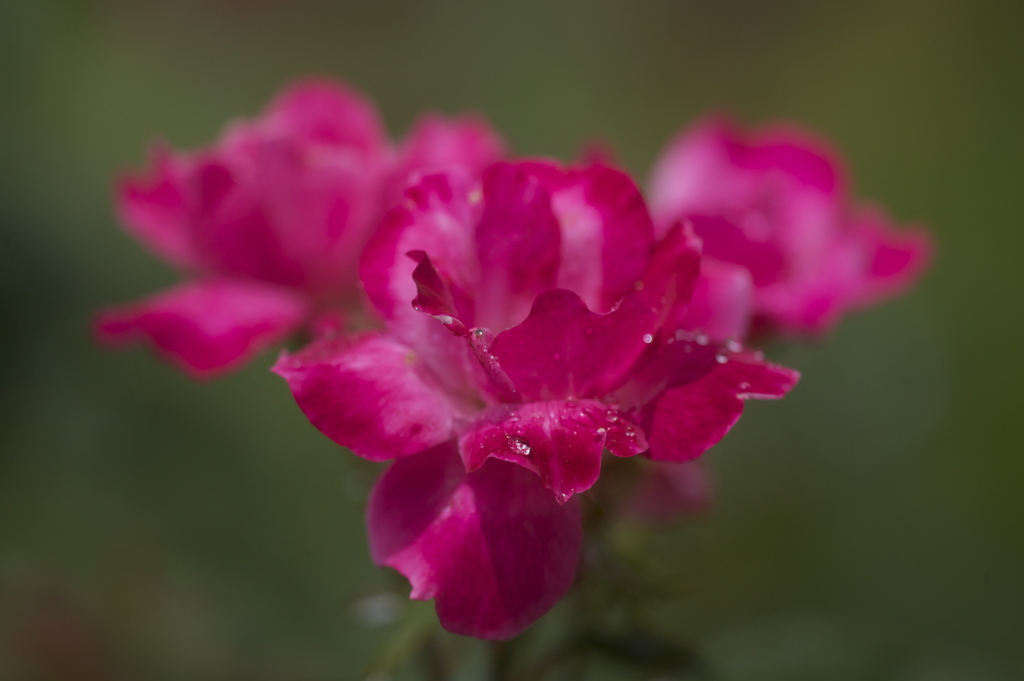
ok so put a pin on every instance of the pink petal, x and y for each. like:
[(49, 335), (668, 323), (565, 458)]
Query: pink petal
[(564, 350), (299, 219), (372, 395), (559, 441), (672, 274), (518, 245), (209, 327), (163, 209), (713, 167), (896, 259), (436, 144), (606, 232), (492, 548), (788, 149), (325, 111), (722, 303), (437, 216), (723, 239), (436, 296), (703, 388)]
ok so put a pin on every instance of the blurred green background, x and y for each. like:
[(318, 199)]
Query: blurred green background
[(871, 526)]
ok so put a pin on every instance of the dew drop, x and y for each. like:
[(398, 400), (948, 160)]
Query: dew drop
[(702, 339), (648, 338), (612, 416), (721, 359), (519, 445), (445, 319), (744, 386), (733, 346)]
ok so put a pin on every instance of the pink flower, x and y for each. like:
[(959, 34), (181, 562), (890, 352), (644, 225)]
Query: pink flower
[(268, 223), (772, 211), (532, 323)]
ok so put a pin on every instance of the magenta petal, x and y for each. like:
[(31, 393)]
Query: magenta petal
[(787, 149), (518, 244), (437, 216), (723, 301), (435, 296), (703, 401), (436, 144), (207, 327), (896, 259), (372, 395), (324, 111), (712, 165), (492, 548), (671, 275), (159, 209), (559, 441), (564, 350), (606, 230)]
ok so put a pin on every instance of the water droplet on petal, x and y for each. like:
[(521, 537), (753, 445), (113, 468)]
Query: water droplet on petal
[(519, 445), (702, 339), (445, 319), (612, 416), (648, 338), (733, 346), (744, 386), (721, 358)]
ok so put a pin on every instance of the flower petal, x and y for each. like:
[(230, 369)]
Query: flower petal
[(325, 111), (372, 395), (722, 303), (704, 388), (606, 231), (492, 548), (564, 350), (713, 166), (672, 274), (518, 245), (209, 327), (437, 144), (167, 209), (896, 259), (559, 441), (436, 216), (299, 219)]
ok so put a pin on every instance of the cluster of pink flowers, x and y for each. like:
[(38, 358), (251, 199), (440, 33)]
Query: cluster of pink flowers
[(499, 326)]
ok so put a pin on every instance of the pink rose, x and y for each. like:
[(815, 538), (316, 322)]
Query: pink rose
[(773, 213), (532, 322), (268, 224)]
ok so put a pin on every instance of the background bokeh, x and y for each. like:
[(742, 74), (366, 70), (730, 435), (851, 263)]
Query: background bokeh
[(871, 526)]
